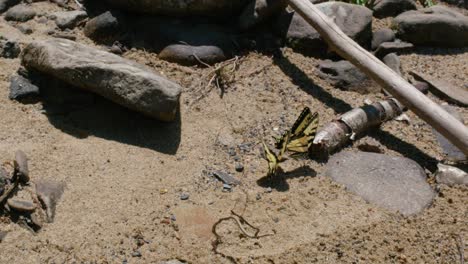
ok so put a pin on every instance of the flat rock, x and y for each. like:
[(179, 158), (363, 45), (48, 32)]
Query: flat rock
[(226, 178), (258, 11), (387, 8), (213, 8), (192, 55), (5, 4), (344, 75), (433, 26), (9, 49), (380, 36), (122, 81), (395, 183), (451, 175), (393, 47), (21, 205), (444, 89), (20, 13), (452, 153), (69, 19), (22, 90), (354, 20)]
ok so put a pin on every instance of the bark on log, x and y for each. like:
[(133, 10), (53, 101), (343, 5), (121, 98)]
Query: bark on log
[(426, 109), (339, 132)]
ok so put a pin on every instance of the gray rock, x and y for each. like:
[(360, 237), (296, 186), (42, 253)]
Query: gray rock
[(387, 8), (451, 175), (108, 25), (21, 13), (120, 80), (239, 167), (380, 36), (444, 89), (393, 47), (226, 178), (433, 26), (9, 49), (214, 8), (22, 90), (21, 205), (25, 29), (398, 184), (69, 19), (5, 4), (393, 61), (344, 75), (452, 153), (354, 20), (257, 11), (184, 196), (185, 54)]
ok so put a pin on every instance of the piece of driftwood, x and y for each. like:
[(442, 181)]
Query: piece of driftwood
[(403, 91), (344, 129)]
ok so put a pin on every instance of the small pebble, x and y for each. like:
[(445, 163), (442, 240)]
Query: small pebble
[(268, 190), (239, 167), (232, 151), (258, 196), (173, 218), (227, 187), (21, 163), (184, 196), (136, 254), (21, 205)]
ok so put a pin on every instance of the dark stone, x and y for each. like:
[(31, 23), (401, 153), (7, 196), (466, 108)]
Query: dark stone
[(387, 8), (393, 61), (22, 90), (393, 47), (346, 76), (213, 8), (187, 55), (239, 167), (380, 36), (105, 27), (9, 49), (5, 4), (354, 20), (122, 81), (433, 26), (20, 13), (395, 183), (257, 11)]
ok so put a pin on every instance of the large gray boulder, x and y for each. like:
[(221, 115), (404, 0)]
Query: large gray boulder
[(398, 184), (120, 80), (434, 26), (214, 8), (387, 8), (354, 20)]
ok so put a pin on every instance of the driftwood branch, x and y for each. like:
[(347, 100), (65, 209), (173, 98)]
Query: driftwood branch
[(339, 132), (403, 91)]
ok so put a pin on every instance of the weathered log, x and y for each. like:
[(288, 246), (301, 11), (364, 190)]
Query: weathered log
[(426, 109), (355, 122)]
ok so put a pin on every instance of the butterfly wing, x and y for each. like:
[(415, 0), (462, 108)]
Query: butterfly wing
[(271, 158), (298, 127), (303, 143)]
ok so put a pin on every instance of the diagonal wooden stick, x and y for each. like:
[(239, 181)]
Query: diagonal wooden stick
[(409, 96)]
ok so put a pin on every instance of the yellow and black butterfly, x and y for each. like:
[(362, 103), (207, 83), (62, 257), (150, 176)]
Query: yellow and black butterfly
[(272, 158), (302, 133)]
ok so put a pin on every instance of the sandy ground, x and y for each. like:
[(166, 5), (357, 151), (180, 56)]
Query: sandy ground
[(125, 173)]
